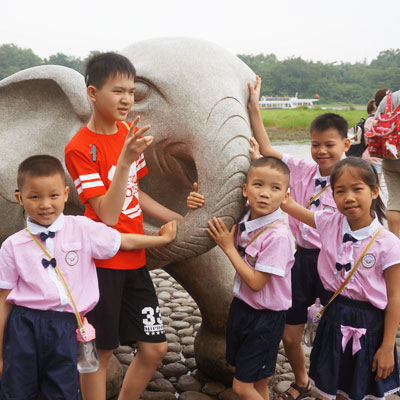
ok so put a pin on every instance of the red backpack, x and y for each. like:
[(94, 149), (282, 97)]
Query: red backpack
[(384, 136)]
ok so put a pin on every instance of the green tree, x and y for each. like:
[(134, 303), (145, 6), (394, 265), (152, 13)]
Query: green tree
[(14, 59)]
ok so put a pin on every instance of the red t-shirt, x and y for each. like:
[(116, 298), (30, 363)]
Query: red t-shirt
[(93, 178)]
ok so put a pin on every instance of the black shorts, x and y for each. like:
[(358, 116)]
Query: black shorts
[(306, 285), (128, 309), (39, 353), (252, 340)]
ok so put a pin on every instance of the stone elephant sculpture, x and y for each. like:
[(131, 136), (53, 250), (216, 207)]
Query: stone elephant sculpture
[(194, 95)]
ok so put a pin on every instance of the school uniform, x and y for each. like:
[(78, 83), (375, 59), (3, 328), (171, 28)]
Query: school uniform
[(39, 344), (351, 328), (257, 319), (311, 190)]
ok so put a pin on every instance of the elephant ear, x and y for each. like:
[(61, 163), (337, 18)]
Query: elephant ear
[(41, 109)]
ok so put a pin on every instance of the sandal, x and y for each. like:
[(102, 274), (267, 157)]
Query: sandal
[(304, 391)]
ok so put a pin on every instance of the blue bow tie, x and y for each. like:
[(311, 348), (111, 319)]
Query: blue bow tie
[(347, 238), (320, 182), (316, 202), (46, 262), (242, 226), (347, 266), (44, 236)]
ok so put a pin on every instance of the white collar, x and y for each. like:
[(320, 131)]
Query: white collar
[(54, 227), (362, 233), (258, 223), (317, 175)]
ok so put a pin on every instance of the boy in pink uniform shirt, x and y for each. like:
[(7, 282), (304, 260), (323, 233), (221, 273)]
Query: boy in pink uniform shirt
[(354, 352), (310, 187), (38, 352), (261, 253)]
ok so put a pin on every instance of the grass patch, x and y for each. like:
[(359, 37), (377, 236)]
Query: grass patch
[(300, 118)]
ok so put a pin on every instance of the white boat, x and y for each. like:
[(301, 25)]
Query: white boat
[(273, 103)]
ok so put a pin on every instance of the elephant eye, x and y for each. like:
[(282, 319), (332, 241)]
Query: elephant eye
[(142, 90)]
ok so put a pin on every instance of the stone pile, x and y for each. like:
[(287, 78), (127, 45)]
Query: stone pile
[(178, 376)]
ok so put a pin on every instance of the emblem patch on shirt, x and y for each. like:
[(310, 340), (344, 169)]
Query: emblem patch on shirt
[(72, 258), (368, 261)]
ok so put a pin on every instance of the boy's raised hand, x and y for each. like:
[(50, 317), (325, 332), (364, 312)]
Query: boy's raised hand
[(195, 199), (254, 93), (168, 231), (255, 150), (134, 143), (220, 233)]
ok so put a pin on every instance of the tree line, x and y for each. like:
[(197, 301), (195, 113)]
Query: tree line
[(334, 82)]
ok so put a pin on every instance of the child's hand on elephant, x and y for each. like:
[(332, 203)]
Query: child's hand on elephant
[(254, 93), (168, 231), (220, 233), (195, 199), (255, 150)]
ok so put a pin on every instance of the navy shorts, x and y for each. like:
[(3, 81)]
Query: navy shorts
[(128, 309), (39, 355), (334, 371), (306, 285), (252, 340)]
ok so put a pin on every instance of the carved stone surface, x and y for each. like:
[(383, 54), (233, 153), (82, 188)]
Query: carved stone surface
[(194, 95)]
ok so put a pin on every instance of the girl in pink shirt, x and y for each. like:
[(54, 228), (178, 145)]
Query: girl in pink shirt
[(354, 354)]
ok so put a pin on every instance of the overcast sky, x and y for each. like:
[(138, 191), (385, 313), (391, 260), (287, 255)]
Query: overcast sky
[(319, 30)]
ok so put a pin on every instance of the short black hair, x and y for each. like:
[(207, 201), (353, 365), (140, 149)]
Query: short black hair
[(39, 165), (103, 65), (274, 163), (330, 120)]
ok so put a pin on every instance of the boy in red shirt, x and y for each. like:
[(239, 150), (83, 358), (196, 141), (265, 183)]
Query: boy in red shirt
[(105, 161)]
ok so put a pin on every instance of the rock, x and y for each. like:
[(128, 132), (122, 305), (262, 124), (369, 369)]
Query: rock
[(280, 387), (185, 332), (188, 351), (191, 363), (188, 382), (125, 358), (171, 338), (191, 395), (165, 311), (123, 349), (181, 294), (175, 347), (169, 329), (228, 394), (165, 283), (157, 375), (114, 377), (161, 385), (192, 319), (179, 324), (171, 358), (178, 316), (187, 340), (157, 396), (213, 388), (174, 370), (164, 295), (185, 309)]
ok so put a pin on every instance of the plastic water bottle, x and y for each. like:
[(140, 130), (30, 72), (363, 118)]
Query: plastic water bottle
[(88, 360), (312, 322)]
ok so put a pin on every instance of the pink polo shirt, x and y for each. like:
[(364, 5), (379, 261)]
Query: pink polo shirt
[(368, 283), (78, 240), (270, 253), (303, 177)]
